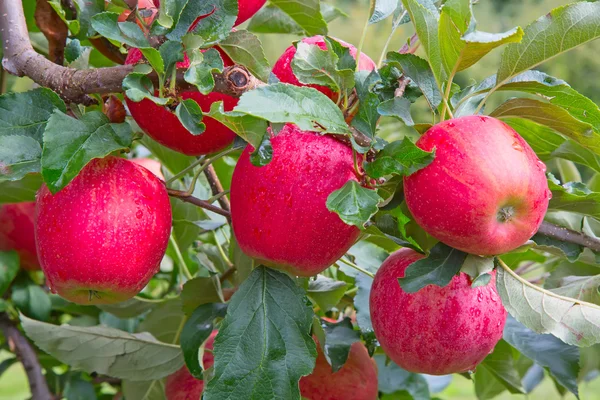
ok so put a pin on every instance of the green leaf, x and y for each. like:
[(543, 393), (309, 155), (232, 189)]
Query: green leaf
[(573, 321), (486, 385), (138, 86), (199, 291), (154, 58), (354, 204), (425, 22), (195, 332), (546, 350), (145, 390), (248, 127), (245, 48), (19, 156), (361, 302), (77, 388), (86, 9), (311, 65), (476, 266), (169, 12), (501, 365), (382, 9), (129, 33), (164, 323), (172, 160), (440, 266), (585, 288), (339, 338), (399, 158), (560, 30), (27, 113), (130, 308), (367, 117), (571, 251), (326, 292), (398, 107), (31, 299), (218, 17), (263, 154), (171, 53), (271, 19), (200, 74), (127, 356), (190, 116), (305, 13), (304, 106), (9, 266), (420, 73), (265, 337), (69, 144), (552, 116), (393, 379), (571, 198), (21, 190), (72, 25)]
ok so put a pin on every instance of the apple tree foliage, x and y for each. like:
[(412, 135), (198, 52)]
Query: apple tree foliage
[(550, 287)]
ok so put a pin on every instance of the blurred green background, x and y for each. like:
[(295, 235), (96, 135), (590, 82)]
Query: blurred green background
[(579, 67)]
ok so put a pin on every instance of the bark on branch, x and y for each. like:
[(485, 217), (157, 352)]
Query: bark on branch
[(200, 203), (570, 236)]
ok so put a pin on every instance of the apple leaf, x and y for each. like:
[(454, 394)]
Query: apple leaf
[(398, 107), (486, 385), (399, 158), (69, 144), (263, 153), (560, 30), (250, 128), (476, 266), (354, 204), (585, 288), (145, 390), (326, 292), (271, 19), (190, 115), (265, 337), (561, 359), (164, 321), (130, 308), (245, 48), (573, 321), (382, 9), (138, 86), (123, 355), (393, 379), (22, 190), (420, 73), (574, 197), (19, 156), (552, 116), (440, 266), (31, 299), (9, 266), (195, 332), (339, 338), (367, 116), (571, 251), (502, 366), (210, 19), (171, 53), (366, 255), (200, 291), (306, 13), (107, 25), (361, 303), (306, 107), (200, 74)]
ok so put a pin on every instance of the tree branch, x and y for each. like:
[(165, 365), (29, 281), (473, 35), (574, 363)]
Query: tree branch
[(568, 235), (26, 354), (200, 203), (216, 187)]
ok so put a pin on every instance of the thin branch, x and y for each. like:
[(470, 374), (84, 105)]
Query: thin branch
[(568, 235), (26, 354), (200, 203), (216, 187), (227, 274)]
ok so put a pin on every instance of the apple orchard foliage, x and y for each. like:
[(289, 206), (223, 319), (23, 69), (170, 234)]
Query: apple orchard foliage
[(315, 192)]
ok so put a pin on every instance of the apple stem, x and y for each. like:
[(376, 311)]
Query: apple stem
[(182, 265), (356, 267)]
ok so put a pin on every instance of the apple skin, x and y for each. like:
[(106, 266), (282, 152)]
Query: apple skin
[(162, 125), (102, 237), (279, 212), (283, 66), (481, 167), (17, 232), (247, 9), (356, 380), (151, 165), (436, 330), (182, 385)]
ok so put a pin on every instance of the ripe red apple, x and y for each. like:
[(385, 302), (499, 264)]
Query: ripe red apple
[(16, 232), (436, 330), (151, 165), (485, 192), (283, 66), (247, 9), (182, 385), (162, 125), (278, 211), (102, 237), (356, 380)]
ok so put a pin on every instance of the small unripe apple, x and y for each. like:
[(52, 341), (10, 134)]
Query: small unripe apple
[(151, 165), (278, 211), (102, 237), (182, 385), (283, 66), (162, 125), (16, 232), (356, 380), (436, 330), (247, 9), (485, 192)]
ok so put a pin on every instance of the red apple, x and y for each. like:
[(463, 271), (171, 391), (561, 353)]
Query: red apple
[(486, 191), (102, 237), (283, 66), (247, 9), (16, 232), (162, 125), (356, 380), (151, 165), (278, 211), (436, 330), (182, 385)]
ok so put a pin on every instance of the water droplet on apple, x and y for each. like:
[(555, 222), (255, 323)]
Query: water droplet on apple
[(541, 166), (517, 146), (139, 214), (549, 193), (479, 296), (451, 125)]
